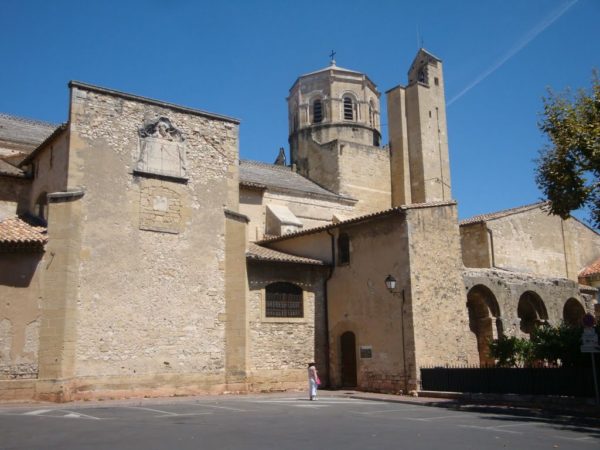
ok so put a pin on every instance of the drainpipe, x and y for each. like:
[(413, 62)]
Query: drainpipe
[(326, 308), (491, 246)]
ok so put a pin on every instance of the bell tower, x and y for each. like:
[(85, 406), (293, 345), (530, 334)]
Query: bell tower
[(418, 135), (335, 134)]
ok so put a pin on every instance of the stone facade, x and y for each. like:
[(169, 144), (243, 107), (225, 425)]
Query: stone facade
[(169, 267)]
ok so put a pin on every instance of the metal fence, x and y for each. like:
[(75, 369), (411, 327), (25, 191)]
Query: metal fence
[(569, 381)]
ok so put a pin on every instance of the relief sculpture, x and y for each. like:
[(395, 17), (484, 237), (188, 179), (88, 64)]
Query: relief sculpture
[(162, 149)]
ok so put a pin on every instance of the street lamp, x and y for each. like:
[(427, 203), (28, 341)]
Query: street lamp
[(390, 283)]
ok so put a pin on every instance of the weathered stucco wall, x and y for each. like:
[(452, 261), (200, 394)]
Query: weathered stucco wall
[(281, 348), (14, 195), (475, 245), (20, 297), (49, 169), (360, 303), (533, 241), (152, 286), (311, 211)]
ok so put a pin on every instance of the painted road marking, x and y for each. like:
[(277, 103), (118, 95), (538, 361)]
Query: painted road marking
[(164, 413), (77, 415), (227, 408), (427, 419), (383, 411), (37, 412), (490, 429)]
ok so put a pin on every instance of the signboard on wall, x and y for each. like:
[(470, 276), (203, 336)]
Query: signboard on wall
[(366, 351)]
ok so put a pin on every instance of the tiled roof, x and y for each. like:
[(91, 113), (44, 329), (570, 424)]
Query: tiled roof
[(257, 252), (385, 212), (259, 174), (498, 214), (9, 169), (24, 131), (16, 234), (592, 269)]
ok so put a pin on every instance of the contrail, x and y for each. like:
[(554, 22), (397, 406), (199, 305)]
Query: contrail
[(530, 36)]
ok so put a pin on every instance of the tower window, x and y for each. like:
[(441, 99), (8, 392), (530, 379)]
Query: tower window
[(284, 300), (343, 249), (317, 111), (348, 109)]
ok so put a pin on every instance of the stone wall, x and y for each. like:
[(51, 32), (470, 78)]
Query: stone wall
[(151, 297), (436, 297), (533, 241), (281, 348), (507, 288)]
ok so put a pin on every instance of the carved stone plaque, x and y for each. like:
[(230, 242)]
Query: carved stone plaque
[(161, 149), (160, 209)]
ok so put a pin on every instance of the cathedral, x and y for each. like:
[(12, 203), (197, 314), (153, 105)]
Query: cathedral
[(140, 256)]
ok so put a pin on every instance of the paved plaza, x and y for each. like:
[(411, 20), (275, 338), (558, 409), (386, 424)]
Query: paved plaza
[(286, 421)]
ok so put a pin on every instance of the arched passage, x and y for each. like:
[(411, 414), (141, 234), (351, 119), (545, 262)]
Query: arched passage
[(484, 320), (573, 312), (348, 353), (531, 311)]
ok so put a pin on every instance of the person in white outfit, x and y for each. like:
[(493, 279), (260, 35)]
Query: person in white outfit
[(313, 381)]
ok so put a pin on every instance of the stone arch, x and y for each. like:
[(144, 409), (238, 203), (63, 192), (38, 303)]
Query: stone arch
[(531, 311), (484, 319), (573, 312)]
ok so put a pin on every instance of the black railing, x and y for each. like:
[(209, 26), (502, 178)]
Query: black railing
[(568, 381)]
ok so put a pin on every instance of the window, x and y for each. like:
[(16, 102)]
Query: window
[(371, 114), (343, 249), (348, 108), (284, 300), (41, 207), (317, 111)]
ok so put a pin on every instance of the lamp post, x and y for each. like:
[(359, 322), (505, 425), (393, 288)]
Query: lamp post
[(390, 284)]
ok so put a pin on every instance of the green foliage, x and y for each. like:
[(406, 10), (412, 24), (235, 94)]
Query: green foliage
[(568, 169), (548, 345), (510, 351)]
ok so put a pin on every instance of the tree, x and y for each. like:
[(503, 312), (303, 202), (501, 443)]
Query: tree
[(568, 168)]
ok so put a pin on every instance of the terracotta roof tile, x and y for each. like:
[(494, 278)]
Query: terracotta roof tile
[(592, 269), (498, 214), (16, 234), (257, 252)]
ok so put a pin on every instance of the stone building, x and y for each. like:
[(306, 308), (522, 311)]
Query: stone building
[(140, 256)]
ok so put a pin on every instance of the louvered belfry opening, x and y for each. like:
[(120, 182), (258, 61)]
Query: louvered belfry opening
[(348, 109), (317, 111)]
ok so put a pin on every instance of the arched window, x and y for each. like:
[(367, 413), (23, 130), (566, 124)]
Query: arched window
[(284, 300), (348, 108), (371, 114), (343, 249), (317, 111)]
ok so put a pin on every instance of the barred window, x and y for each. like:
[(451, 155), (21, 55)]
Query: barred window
[(284, 300), (317, 111), (348, 109)]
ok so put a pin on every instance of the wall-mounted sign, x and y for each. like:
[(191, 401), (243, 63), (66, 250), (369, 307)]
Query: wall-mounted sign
[(366, 351)]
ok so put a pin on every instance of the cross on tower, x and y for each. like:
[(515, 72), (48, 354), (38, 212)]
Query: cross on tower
[(332, 55)]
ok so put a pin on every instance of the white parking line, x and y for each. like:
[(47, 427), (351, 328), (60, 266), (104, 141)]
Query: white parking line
[(227, 408), (490, 429), (37, 412), (383, 411), (427, 419), (167, 413), (77, 415)]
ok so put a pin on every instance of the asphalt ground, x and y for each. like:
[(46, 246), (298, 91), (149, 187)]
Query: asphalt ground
[(287, 421)]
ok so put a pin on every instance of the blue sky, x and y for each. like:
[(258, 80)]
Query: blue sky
[(239, 58)]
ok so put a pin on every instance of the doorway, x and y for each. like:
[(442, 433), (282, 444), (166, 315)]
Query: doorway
[(348, 347)]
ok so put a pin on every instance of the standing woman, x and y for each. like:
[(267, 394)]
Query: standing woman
[(313, 381)]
